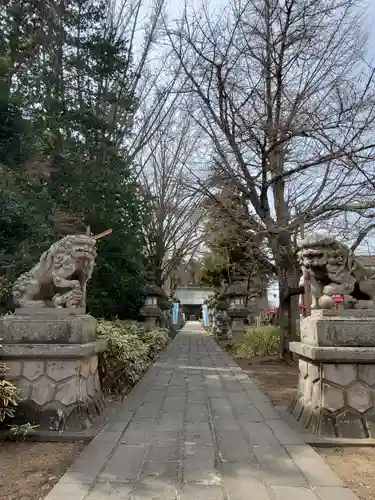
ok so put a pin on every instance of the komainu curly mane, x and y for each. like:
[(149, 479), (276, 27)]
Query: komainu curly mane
[(334, 270), (67, 265)]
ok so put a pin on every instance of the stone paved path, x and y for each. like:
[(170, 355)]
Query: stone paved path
[(197, 428)]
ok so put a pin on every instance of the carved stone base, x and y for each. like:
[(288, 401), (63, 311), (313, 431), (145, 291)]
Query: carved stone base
[(223, 331), (238, 315), (336, 390), (38, 325), (59, 381), (150, 314), (220, 325), (348, 327)]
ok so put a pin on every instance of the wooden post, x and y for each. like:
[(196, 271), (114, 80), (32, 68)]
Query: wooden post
[(101, 235)]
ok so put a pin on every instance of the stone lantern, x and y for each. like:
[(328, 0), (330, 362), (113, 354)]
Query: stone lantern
[(165, 305), (222, 318), (213, 303), (237, 310), (151, 310)]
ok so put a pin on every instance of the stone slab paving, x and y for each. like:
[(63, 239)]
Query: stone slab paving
[(197, 428)]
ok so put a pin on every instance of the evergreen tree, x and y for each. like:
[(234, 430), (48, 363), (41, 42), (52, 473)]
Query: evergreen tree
[(233, 250), (66, 112)]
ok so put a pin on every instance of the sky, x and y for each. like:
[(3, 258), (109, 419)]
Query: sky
[(371, 18), (175, 6)]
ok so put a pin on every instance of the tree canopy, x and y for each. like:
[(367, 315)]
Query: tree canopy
[(234, 250), (66, 111)]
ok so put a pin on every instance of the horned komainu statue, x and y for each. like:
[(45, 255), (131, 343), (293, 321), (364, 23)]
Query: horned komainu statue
[(335, 270), (60, 277)]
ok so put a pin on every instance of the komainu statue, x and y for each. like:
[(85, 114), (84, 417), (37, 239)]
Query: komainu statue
[(334, 270), (60, 277)]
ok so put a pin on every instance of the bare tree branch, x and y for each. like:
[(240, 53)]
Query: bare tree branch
[(175, 232), (280, 92)]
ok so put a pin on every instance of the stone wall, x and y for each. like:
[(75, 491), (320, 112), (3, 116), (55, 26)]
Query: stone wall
[(336, 400)]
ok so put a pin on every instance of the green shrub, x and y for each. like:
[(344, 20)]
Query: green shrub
[(156, 339), (259, 341), (131, 349), (10, 396), (23, 431)]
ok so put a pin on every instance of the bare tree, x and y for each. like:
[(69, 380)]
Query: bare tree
[(174, 234), (187, 274), (147, 77), (281, 92)]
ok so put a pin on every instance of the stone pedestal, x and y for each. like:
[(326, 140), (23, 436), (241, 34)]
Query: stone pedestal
[(336, 388), (221, 320), (151, 314), (151, 310), (237, 311), (52, 356), (224, 325), (238, 314), (213, 321), (218, 323)]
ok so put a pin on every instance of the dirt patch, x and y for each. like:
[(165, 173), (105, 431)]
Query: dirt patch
[(277, 379), (354, 465), (28, 471)]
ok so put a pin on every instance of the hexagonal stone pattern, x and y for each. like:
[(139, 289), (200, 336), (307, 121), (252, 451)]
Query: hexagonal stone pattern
[(33, 369), (332, 398), (14, 370), (325, 423), (61, 370), (366, 373), (25, 386), (67, 392), (349, 424), (42, 391), (340, 374), (359, 397), (339, 402)]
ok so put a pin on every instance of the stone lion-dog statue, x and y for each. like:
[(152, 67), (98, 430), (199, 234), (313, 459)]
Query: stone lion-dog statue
[(60, 277), (334, 270)]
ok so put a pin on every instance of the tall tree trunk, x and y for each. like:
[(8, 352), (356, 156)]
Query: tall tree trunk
[(288, 277)]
